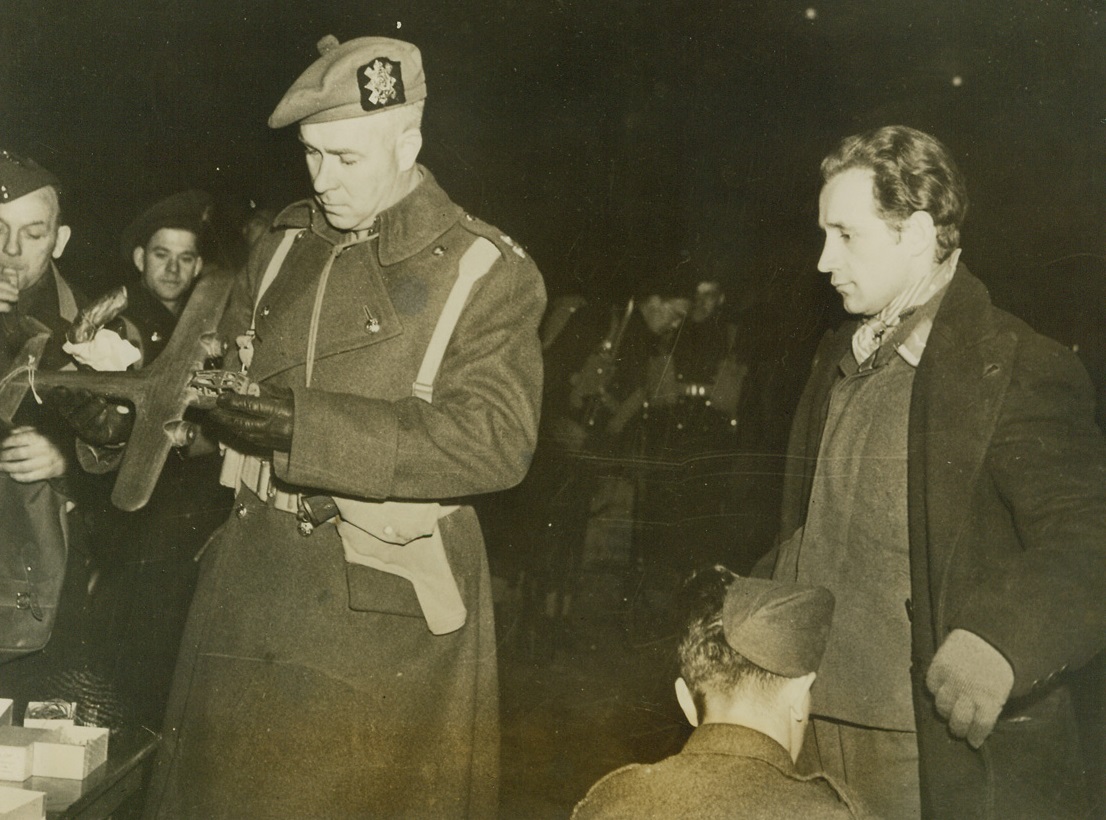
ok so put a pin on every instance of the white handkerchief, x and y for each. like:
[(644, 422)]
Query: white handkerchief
[(107, 351)]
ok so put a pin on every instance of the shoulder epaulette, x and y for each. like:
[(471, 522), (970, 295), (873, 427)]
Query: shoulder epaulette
[(509, 248)]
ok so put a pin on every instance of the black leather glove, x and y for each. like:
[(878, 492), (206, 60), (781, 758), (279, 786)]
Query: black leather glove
[(264, 421), (93, 418)]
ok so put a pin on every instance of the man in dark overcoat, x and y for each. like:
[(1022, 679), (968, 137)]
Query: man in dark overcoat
[(748, 655), (947, 483), (310, 682)]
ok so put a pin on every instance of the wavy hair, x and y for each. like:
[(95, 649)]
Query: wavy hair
[(912, 171)]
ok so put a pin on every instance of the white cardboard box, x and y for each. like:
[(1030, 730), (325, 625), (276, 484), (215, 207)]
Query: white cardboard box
[(21, 804), (71, 752), (48, 723), (17, 751)]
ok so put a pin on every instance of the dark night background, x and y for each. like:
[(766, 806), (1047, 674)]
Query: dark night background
[(611, 138), (607, 137)]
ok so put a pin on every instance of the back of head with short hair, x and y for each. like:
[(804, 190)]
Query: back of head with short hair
[(912, 171), (707, 662)]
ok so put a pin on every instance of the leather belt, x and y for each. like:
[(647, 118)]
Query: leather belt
[(257, 474)]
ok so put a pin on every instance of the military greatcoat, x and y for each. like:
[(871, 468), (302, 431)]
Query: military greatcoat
[(292, 698)]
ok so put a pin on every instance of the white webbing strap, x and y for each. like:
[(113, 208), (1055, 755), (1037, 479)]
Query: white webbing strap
[(476, 262), (275, 264), (235, 468)]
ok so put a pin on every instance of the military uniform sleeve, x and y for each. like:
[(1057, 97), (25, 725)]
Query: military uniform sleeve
[(477, 436), (1045, 607)]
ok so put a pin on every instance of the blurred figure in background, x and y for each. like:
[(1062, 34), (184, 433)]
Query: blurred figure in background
[(601, 366)]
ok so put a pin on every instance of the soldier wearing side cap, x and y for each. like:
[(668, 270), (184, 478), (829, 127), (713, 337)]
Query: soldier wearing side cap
[(38, 480), (347, 666), (748, 657)]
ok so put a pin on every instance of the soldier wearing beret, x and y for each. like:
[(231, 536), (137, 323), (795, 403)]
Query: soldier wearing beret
[(164, 244), (748, 657), (346, 666), (148, 574)]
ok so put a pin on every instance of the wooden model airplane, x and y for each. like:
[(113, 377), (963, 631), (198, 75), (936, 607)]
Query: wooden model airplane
[(159, 393)]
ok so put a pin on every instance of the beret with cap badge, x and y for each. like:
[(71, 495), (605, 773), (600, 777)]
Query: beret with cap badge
[(21, 175), (353, 79), (781, 627), (186, 210)]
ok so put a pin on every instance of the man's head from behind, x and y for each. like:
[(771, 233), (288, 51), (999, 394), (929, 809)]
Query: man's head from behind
[(31, 229), (750, 652), (165, 245), (359, 109)]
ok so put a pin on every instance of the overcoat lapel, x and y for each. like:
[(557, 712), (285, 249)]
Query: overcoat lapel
[(806, 437), (345, 323), (958, 390)]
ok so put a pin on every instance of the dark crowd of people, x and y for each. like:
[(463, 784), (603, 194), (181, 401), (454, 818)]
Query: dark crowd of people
[(309, 579)]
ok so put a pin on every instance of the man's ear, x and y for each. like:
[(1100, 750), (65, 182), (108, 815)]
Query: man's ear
[(919, 233), (797, 694), (199, 267), (64, 233), (687, 702), (138, 256), (407, 148)]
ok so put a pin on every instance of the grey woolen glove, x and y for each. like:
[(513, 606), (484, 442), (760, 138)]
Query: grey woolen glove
[(970, 681)]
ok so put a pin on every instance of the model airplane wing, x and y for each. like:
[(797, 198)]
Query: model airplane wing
[(160, 392)]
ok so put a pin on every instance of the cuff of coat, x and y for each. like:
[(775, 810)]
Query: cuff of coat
[(342, 444)]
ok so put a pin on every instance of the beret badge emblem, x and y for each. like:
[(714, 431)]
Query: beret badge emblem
[(381, 83)]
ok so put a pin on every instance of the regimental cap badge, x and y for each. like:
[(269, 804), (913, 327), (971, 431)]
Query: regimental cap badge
[(381, 83), (353, 79)]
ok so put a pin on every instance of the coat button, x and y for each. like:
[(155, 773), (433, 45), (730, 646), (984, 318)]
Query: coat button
[(389, 530), (266, 310), (240, 510), (438, 251)]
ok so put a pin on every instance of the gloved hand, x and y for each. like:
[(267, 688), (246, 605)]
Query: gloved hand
[(970, 681), (93, 418), (264, 421)]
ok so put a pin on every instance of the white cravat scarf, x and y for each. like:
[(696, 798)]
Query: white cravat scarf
[(869, 336)]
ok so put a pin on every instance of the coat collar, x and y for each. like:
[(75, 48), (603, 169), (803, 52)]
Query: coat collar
[(740, 741), (963, 319), (404, 229)]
